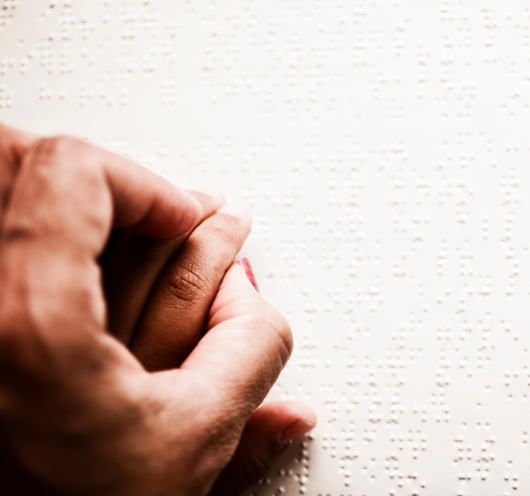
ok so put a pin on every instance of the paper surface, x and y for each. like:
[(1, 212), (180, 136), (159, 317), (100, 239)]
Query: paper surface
[(383, 148)]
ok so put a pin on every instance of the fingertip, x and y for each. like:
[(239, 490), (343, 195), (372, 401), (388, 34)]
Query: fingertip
[(296, 430), (185, 212), (304, 411), (211, 191), (187, 218), (236, 284), (297, 411), (237, 210), (177, 214), (287, 420), (267, 434)]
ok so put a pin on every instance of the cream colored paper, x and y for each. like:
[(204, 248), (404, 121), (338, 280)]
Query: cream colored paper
[(383, 147)]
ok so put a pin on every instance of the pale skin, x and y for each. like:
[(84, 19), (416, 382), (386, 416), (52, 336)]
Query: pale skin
[(134, 352)]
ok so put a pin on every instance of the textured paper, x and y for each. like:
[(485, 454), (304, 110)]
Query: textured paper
[(383, 148)]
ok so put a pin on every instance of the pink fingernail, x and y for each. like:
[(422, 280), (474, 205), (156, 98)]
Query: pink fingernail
[(297, 429), (250, 274)]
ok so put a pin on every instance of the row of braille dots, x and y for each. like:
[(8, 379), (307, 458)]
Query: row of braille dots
[(482, 459), (142, 20), (219, 49), (399, 266), (6, 64), (509, 185), (169, 90), (396, 358), (511, 374), (417, 441), (514, 104), (145, 20), (371, 296), (68, 21), (305, 351), (6, 13), (393, 472), (331, 441), (446, 410), (515, 374), (443, 380), (226, 160), (408, 329), (301, 475), (513, 480), (349, 457), (358, 328), (490, 27), (466, 257), (6, 96), (86, 94), (163, 47), (510, 198), (46, 93), (483, 291), (374, 416), (332, 404), (483, 354), (414, 492), (48, 56), (506, 326)]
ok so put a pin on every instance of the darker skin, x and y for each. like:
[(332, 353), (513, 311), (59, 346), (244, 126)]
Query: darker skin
[(147, 384)]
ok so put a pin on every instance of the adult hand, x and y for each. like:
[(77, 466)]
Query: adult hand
[(79, 412)]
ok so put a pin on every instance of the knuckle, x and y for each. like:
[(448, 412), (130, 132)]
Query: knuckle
[(187, 283), (70, 153), (57, 146), (69, 176)]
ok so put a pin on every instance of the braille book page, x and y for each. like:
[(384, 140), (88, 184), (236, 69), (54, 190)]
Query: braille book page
[(383, 147)]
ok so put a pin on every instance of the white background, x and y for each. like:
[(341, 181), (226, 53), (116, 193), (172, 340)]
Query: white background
[(383, 148)]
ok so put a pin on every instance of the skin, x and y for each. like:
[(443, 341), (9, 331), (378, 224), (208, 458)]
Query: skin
[(134, 353)]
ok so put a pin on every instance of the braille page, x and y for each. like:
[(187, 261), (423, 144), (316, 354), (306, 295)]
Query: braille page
[(384, 150)]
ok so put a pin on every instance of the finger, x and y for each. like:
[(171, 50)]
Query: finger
[(146, 202), (267, 434), (131, 264), (247, 345), (174, 319), (64, 201), (141, 199), (87, 190), (13, 146)]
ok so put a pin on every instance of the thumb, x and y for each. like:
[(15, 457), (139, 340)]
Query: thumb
[(244, 350), (267, 434)]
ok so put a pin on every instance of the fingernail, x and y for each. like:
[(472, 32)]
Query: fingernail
[(249, 272), (235, 210), (296, 430), (212, 191)]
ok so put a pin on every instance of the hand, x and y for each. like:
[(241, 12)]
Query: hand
[(175, 316), (80, 413)]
